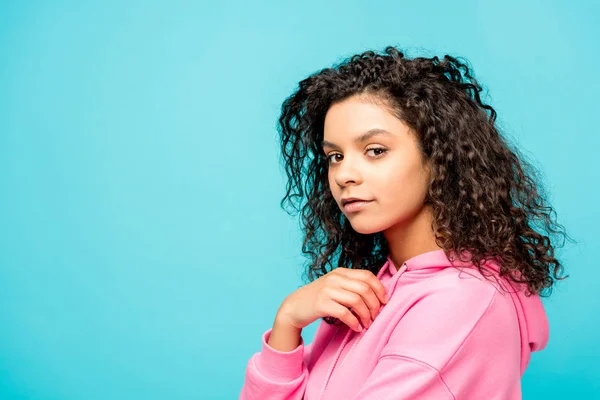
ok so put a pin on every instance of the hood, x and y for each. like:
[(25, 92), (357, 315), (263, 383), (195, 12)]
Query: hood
[(533, 322)]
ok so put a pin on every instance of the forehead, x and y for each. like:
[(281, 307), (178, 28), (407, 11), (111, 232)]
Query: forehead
[(362, 137), (352, 118), (356, 112)]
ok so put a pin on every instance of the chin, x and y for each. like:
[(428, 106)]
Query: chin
[(366, 227)]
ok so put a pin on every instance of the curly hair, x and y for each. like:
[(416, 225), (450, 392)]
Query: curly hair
[(485, 198)]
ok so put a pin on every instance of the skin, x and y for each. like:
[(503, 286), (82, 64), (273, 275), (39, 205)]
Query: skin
[(396, 178)]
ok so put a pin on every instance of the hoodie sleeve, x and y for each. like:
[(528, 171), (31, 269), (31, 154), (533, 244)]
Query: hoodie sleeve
[(276, 375), (460, 342)]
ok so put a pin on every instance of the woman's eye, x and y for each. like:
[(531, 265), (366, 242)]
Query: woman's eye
[(378, 152), (330, 156), (376, 149)]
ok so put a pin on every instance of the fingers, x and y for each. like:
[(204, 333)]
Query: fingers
[(354, 301), (366, 292), (359, 293), (342, 313), (369, 278)]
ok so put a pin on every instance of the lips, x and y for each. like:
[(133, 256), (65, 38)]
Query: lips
[(351, 199), (356, 205)]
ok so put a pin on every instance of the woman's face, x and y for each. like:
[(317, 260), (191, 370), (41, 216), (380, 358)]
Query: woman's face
[(385, 168)]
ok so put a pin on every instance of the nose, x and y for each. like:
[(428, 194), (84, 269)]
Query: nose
[(347, 173)]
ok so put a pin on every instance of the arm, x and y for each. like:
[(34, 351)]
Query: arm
[(279, 370)]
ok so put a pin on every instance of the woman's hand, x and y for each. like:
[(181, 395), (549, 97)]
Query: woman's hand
[(353, 296)]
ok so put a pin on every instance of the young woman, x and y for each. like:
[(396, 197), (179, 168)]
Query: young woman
[(433, 225)]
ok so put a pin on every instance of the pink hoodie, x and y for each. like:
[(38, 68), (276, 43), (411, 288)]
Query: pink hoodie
[(444, 334)]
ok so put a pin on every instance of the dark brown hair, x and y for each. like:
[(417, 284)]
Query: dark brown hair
[(485, 198)]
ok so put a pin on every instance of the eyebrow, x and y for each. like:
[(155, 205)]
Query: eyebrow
[(365, 136)]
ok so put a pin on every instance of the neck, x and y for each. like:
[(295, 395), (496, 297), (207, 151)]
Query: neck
[(411, 237)]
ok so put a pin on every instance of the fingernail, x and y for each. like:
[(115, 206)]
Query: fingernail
[(360, 328)]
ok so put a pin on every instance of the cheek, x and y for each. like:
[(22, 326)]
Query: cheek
[(331, 183), (403, 186), (333, 188)]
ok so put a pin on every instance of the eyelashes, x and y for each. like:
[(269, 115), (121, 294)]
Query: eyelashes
[(381, 150)]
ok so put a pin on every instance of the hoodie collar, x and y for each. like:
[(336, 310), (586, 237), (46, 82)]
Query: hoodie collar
[(430, 259)]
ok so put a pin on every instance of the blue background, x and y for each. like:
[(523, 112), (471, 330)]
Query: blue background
[(143, 251)]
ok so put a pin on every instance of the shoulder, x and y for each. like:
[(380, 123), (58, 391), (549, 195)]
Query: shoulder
[(451, 308), (463, 296), (463, 286)]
